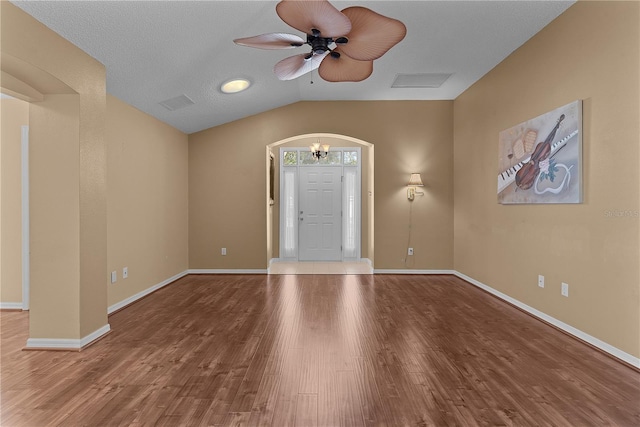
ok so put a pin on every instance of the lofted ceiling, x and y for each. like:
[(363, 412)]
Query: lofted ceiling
[(155, 51)]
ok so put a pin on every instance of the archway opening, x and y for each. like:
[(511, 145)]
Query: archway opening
[(273, 186)]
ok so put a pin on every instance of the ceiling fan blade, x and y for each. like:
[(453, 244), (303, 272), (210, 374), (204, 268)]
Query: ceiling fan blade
[(294, 66), (344, 69), (307, 15), (372, 34), (271, 41)]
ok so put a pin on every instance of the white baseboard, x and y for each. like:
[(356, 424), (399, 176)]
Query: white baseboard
[(227, 271), (406, 271), (10, 306), (613, 351), (136, 297), (66, 344)]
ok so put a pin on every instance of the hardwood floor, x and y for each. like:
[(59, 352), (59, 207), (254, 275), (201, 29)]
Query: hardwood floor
[(317, 350)]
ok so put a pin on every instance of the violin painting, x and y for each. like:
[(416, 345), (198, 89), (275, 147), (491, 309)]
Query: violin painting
[(528, 173), (536, 170)]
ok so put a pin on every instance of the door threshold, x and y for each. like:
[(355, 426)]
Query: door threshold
[(321, 267)]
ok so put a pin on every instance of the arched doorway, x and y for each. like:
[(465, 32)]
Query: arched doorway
[(363, 173)]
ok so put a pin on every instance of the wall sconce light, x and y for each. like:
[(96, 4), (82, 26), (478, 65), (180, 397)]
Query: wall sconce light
[(317, 153), (414, 181)]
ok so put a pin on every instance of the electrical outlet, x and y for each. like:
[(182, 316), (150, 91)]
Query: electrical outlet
[(125, 272), (565, 289), (114, 276), (410, 251), (541, 280), (223, 251)]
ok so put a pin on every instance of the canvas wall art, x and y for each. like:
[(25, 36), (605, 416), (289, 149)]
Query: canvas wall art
[(540, 160)]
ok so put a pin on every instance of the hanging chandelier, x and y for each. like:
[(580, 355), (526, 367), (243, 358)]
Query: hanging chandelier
[(317, 152)]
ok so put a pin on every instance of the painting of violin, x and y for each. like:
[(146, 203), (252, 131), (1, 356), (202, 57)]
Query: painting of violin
[(533, 169), (527, 175)]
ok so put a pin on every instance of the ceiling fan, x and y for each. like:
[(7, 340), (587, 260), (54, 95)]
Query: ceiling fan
[(358, 36)]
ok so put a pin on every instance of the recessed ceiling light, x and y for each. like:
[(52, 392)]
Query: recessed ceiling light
[(235, 85)]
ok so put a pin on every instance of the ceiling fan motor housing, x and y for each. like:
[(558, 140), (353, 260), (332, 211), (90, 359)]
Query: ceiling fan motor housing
[(319, 45)]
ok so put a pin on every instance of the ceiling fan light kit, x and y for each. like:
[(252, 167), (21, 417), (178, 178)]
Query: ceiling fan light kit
[(343, 44)]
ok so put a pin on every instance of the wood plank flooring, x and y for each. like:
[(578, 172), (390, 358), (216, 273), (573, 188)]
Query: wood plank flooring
[(317, 350)]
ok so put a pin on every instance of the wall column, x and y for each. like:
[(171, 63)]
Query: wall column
[(68, 181)]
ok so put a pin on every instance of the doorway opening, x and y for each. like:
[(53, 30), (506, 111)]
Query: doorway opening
[(321, 209), (14, 259), (320, 205)]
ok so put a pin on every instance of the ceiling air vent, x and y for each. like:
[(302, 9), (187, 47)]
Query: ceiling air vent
[(428, 80), (177, 103)]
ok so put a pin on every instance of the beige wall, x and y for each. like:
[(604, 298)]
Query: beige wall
[(51, 65), (591, 52), (14, 114), (227, 204), (54, 207), (146, 200)]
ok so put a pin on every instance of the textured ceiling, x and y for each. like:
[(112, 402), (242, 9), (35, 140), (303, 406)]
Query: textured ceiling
[(157, 50)]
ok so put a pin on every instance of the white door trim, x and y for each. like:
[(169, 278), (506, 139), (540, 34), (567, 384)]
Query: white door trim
[(25, 216)]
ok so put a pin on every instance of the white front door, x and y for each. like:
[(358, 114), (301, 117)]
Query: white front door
[(320, 214)]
